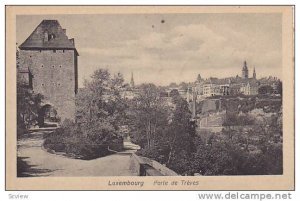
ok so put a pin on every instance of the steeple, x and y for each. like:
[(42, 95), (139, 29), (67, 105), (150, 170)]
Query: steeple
[(132, 81), (199, 78), (245, 71), (254, 73)]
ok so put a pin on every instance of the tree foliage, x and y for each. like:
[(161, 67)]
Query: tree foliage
[(180, 137), (101, 112), (174, 92), (148, 116), (227, 157), (265, 89), (28, 105), (100, 99), (256, 150), (165, 133)]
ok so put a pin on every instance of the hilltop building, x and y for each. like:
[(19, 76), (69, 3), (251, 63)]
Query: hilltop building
[(226, 86), (48, 63), (203, 88)]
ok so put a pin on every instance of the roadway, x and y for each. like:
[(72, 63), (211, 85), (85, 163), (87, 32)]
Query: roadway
[(43, 163)]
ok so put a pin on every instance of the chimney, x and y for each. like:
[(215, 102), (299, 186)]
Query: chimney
[(72, 41)]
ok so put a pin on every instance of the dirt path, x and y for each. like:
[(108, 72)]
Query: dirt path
[(43, 163)]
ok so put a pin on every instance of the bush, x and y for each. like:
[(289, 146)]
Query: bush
[(223, 157), (21, 130), (157, 153), (86, 142)]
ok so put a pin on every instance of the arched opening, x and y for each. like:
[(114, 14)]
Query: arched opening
[(48, 117)]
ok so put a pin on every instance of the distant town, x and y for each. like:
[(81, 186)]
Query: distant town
[(203, 88)]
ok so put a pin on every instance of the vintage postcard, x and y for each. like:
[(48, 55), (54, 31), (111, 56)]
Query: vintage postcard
[(149, 98)]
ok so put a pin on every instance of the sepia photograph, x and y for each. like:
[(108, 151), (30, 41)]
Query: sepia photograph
[(190, 94)]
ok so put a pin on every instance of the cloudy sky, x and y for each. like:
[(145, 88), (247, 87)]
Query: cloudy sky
[(164, 48)]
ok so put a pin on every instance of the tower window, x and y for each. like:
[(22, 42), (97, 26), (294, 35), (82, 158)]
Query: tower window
[(42, 84), (51, 37), (60, 66), (42, 65), (53, 66), (54, 51), (63, 51), (46, 36)]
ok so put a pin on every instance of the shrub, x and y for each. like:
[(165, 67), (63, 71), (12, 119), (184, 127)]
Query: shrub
[(89, 141)]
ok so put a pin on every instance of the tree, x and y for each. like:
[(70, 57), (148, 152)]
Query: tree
[(28, 105), (265, 89), (174, 92), (184, 85), (101, 108), (220, 158), (231, 119), (180, 137), (101, 111), (173, 84), (279, 87), (101, 99), (171, 141), (148, 116)]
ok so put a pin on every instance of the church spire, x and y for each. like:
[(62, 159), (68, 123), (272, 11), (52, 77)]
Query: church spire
[(245, 71), (254, 73), (132, 81)]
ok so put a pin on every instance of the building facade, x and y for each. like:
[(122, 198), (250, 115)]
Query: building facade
[(228, 86), (51, 61), (250, 88)]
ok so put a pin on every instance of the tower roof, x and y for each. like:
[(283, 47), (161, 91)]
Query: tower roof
[(48, 35), (132, 80), (245, 66)]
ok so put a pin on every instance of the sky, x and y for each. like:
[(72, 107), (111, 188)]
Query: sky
[(165, 48)]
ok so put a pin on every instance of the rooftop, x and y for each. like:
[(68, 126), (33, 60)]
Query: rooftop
[(48, 35)]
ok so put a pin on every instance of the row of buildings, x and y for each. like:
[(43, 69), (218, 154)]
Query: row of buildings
[(210, 87), (226, 86)]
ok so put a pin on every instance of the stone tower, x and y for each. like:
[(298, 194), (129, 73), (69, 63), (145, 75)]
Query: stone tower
[(245, 71), (52, 59), (254, 73), (199, 78)]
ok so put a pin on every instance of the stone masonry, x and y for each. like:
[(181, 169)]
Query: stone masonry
[(51, 58)]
